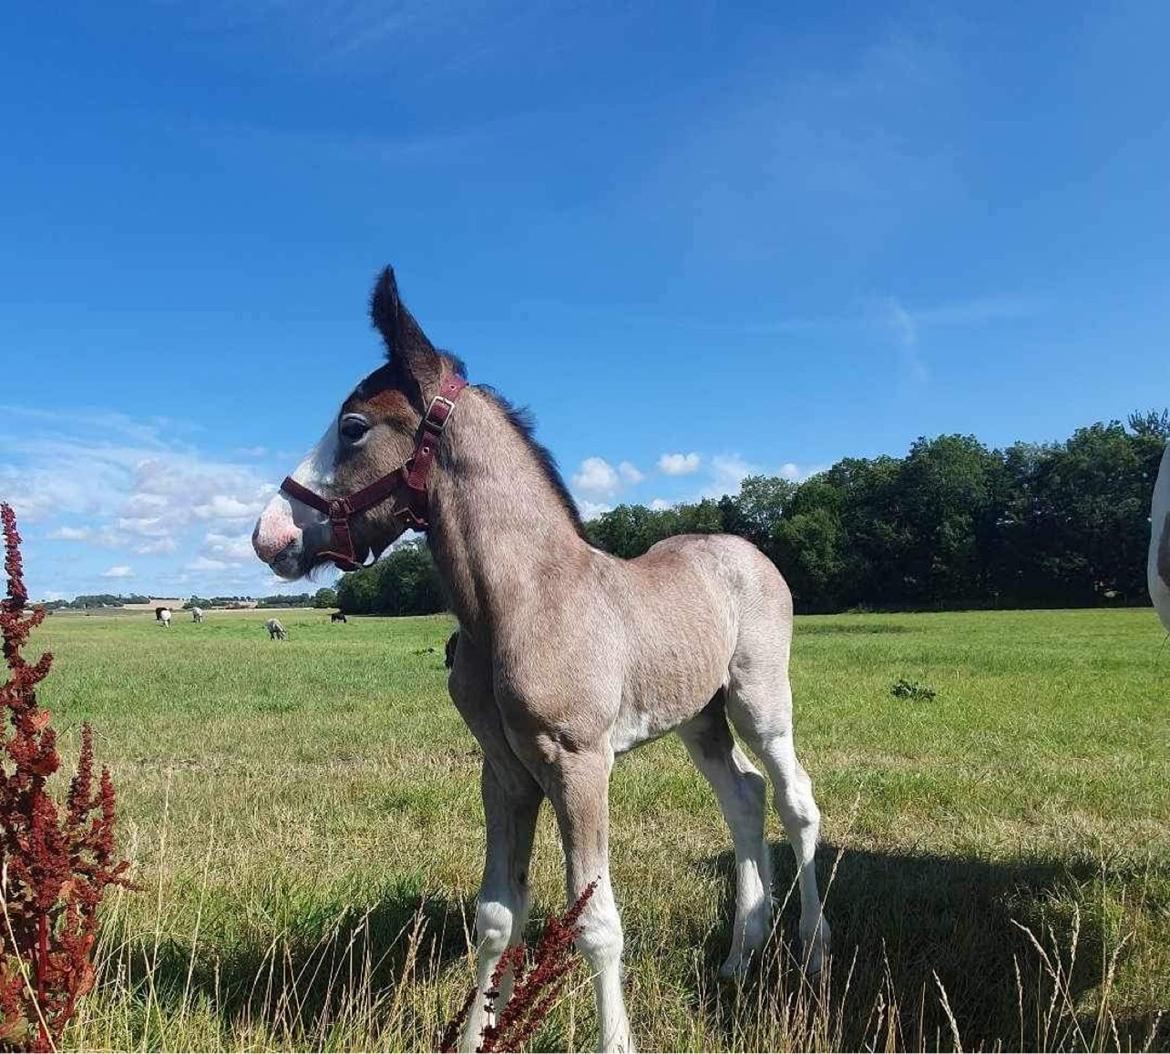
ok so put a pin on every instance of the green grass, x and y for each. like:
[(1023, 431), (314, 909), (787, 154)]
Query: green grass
[(304, 820)]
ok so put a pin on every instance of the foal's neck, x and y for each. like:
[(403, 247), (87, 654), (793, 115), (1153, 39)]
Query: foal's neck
[(499, 529)]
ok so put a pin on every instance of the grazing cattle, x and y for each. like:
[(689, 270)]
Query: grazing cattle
[(275, 630), (163, 615), (338, 616), (567, 656), (197, 614), (452, 644), (1158, 566)]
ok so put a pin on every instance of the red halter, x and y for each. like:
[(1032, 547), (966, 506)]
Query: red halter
[(412, 475)]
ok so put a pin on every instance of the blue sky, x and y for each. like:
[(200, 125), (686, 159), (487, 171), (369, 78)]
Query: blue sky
[(697, 239)]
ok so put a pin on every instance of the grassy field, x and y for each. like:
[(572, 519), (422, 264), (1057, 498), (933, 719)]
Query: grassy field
[(304, 820)]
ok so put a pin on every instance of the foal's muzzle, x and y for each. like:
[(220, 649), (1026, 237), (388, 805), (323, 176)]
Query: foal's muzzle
[(287, 562)]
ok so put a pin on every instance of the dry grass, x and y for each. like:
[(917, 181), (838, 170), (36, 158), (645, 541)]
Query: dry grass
[(306, 818)]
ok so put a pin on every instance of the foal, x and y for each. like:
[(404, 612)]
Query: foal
[(567, 656)]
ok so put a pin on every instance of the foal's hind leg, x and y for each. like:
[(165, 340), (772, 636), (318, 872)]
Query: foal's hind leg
[(743, 797), (760, 708)]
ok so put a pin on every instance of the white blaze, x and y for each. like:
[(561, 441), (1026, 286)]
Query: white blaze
[(283, 517)]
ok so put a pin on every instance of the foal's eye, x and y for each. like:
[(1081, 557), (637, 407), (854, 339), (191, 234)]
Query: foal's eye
[(353, 428)]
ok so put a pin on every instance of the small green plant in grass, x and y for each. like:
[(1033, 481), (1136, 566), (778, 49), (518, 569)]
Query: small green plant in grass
[(54, 868), (904, 689)]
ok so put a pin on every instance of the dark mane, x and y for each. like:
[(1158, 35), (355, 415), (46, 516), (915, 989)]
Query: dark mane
[(522, 420)]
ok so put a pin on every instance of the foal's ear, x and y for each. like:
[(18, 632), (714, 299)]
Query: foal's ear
[(407, 346)]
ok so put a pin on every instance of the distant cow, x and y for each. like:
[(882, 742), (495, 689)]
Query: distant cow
[(338, 616), (452, 644), (163, 615), (197, 614), (1158, 567), (275, 630)]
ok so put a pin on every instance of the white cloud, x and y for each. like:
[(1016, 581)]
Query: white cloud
[(790, 470), (205, 563), (598, 484), (630, 473), (903, 327), (157, 546), (236, 548), (727, 472), (227, 507), (591, 509), (146, 526), (660, 504), (70, 534), (105, 481), (598, 477), (143, 504), (679, 464)]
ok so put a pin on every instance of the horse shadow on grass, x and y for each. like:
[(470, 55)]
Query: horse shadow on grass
[(336, 964), (908, 927)]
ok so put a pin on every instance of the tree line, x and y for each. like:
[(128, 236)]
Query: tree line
[(93, 600), (951, 524), (323, 598)]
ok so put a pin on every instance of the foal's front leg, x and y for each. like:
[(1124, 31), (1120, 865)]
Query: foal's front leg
[(511, 801), (577, 785)]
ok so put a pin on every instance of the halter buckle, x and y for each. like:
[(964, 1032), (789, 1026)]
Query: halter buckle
[(437, 426)]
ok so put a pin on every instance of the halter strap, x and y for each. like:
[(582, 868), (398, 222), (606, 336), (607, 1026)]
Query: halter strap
[(412, 476)]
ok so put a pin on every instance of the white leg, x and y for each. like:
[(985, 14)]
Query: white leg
[(511, 801), (601, 945), (802, 823), (578, 788), (743, 794), (766, 725)]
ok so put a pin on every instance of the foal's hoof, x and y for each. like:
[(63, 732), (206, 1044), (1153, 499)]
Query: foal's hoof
[(735, 968)]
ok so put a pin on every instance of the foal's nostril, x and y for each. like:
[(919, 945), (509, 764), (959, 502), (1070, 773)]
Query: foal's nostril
[(271, 547), (284, 553)]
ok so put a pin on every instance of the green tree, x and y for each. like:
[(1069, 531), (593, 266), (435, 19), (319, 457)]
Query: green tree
[(1153, 423), (759, 507), (1087, 526), (951, 491), (404, 582), (325, 598)]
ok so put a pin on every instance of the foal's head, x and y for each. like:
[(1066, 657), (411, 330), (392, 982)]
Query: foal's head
[(373, 433)]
